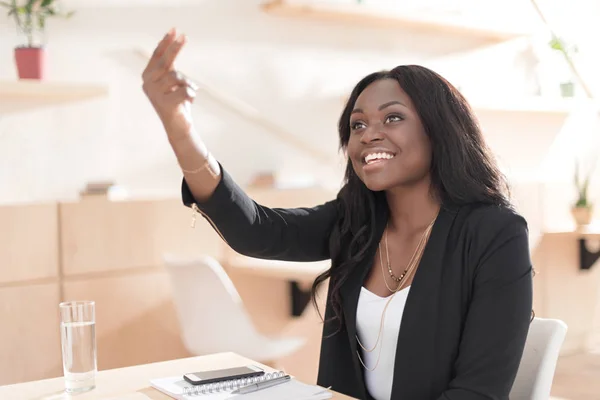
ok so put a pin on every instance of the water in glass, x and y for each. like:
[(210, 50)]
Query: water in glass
[(78, 337)]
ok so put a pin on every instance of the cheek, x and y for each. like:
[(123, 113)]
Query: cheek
[(353, 149), (416, 149), (423, 154), (353, 152)]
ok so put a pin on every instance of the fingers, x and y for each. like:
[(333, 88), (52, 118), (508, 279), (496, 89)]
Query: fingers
[(164, 56), (173, 79), (159, 50), (181, 94), (165, 63), (170, 81), (167, 88)]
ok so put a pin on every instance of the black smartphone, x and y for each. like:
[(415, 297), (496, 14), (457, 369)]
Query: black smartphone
[(218, 375)]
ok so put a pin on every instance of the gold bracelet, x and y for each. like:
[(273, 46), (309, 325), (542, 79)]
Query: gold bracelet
[(195, 171)]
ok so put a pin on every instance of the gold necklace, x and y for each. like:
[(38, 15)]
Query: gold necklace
[(378, 337), (383, 313), (389, 265), (412, 263)]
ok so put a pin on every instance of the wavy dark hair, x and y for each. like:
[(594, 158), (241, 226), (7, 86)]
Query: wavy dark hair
[(463, 170)]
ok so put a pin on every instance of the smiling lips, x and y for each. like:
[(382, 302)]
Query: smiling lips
[(375, 158)]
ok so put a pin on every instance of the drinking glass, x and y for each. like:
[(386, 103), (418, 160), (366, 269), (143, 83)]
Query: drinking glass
[(78, 340)]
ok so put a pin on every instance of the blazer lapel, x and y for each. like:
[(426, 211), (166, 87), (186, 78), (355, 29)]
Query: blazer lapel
[(415, 352), (350, 292)]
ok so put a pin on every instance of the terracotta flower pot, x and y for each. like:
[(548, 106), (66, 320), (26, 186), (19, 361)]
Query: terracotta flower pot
[(582, 215), (31, 62)]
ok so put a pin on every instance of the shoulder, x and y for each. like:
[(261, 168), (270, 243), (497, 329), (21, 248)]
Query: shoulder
[(485, 228), (487, 219), (490, 220)]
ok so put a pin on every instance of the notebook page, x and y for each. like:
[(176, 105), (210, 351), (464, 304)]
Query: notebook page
[(176, 388), (291, 390)]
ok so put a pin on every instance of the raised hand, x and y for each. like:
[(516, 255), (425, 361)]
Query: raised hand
[(169, 92)]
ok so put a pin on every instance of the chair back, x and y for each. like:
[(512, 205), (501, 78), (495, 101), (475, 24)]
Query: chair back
[(538, 364), (210, 311)]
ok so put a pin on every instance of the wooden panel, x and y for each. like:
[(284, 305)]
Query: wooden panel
[(28, 242), (564, 291), (300, 197), (305, 272), (136, 322), (47, 91), (358, 15), (304, 363), (21, 95), (267, 300), (30, 334), (100, 235)]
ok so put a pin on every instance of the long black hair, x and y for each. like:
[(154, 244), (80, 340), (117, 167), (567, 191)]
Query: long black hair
[(463, 169)]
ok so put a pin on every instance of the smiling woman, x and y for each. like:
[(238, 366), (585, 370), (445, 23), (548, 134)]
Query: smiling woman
[(430, 286), (416, 156)]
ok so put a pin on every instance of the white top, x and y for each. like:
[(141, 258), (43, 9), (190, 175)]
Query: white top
[(368, 323)]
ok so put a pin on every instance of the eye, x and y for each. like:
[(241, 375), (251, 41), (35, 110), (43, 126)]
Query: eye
[(356, 125), (393, 118)]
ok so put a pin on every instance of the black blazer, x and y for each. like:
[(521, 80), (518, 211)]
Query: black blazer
[(467, 314)]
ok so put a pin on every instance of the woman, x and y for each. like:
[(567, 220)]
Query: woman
[(430, 286)]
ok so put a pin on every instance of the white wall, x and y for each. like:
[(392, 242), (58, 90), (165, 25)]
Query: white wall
[(293, 72)]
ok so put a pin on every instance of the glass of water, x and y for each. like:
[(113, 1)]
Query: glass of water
[(78, 340)]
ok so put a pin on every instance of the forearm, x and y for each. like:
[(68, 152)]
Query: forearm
[(200, 169), (292, 234)]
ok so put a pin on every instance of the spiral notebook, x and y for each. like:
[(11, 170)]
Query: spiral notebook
[(293, 389)]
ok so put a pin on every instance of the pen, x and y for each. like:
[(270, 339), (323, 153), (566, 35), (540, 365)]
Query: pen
[(261, 385)]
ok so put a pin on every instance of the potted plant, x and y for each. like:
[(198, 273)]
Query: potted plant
[(567, 88), (582, 210), (30, 17)]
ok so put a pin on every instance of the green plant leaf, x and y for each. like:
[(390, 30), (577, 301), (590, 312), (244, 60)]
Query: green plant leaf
[(29, 6), (33, 13), (580, 203), (555, 45)]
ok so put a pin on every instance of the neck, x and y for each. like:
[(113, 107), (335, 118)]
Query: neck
[(412, 208)]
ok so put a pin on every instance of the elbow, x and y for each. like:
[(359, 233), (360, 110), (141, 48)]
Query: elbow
[(249, 249)]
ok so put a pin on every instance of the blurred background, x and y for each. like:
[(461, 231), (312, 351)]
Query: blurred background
[(90, 190)]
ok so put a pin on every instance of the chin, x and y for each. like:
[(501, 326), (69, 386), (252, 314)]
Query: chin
[(384, 182), (377, 185)]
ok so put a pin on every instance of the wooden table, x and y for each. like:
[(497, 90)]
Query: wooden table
[(300, 275), (130, 383)]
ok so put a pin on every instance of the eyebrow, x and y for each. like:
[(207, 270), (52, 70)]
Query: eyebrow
[(381, 107)]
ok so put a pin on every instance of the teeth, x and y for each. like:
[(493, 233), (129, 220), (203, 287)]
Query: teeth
[(378, 156)]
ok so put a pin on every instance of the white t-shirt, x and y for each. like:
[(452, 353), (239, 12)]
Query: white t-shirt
[(368, 322)]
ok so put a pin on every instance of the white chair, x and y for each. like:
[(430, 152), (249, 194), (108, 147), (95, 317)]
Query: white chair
[(536, 371), (212, 316)]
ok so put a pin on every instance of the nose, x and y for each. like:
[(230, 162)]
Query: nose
[(372, 133)]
